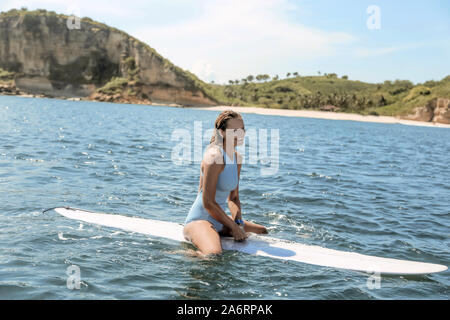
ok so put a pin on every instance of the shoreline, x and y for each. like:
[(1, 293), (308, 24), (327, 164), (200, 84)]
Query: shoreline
[(324, 115)]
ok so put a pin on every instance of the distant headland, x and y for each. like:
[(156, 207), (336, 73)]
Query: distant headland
[(41, 56)]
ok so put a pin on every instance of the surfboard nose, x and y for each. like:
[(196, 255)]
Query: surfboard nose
[(440, 268)]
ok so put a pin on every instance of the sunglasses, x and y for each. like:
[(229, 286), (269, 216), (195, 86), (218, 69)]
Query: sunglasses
[(239, 132)]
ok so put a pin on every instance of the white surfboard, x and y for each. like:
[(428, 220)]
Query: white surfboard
[(262, 245)]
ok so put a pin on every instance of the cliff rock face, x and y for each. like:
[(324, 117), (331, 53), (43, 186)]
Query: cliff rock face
[(51, 58), (436, 110), (441, 111)]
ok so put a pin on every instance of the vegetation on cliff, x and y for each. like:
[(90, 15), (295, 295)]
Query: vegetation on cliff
[(6, 77), (328, 92)]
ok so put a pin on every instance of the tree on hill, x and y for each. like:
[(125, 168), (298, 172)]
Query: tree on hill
[(382, 101), (250, 78)]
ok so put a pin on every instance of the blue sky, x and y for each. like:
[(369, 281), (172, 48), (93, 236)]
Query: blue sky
[(229, 39)]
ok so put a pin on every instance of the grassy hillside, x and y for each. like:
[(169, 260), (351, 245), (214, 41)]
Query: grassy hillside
[(315, 92), (416, 97)]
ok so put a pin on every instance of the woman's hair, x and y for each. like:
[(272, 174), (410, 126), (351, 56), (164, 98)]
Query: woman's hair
[(221, 123)]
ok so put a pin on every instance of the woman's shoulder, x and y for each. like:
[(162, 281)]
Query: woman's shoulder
[(213, 154)]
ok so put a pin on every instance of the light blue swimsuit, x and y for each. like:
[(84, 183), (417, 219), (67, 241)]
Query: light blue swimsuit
[(228, 180)]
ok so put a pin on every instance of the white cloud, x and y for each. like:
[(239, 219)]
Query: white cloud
[(238, 38), (225, 39), (364, 52), (371, 52), (203, 70)]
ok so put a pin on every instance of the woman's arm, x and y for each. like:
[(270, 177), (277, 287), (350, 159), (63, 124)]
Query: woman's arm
[(235, 207), (233, 199)]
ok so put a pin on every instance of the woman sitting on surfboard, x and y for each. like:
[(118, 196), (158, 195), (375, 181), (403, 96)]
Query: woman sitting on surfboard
[(219, 186)]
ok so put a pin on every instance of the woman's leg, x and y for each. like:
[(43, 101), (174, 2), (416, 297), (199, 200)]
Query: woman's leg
[(253, 227), (203, 235), (248, 227)]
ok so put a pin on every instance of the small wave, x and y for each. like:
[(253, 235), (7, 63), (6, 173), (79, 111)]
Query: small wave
[(61, 236), (66, 141), (275, 217), (319, 175), (103, 141)]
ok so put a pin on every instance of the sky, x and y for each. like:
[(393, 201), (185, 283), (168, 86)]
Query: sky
[(222, 40)]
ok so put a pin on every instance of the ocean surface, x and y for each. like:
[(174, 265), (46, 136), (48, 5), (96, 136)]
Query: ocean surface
[(372, 188)]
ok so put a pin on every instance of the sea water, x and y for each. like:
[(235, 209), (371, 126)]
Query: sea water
[(372, 188)]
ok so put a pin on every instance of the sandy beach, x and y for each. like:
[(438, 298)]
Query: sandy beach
[(324, 115)]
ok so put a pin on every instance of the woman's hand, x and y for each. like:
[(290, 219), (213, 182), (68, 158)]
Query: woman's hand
[(238, 233)]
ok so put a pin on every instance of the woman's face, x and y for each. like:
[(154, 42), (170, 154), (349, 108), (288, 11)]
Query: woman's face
[(235, 131)]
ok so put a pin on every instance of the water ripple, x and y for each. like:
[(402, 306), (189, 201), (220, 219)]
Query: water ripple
[(371, 188)]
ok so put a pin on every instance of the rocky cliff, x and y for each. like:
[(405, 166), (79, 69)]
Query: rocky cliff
[(436, 110), (53, 57)]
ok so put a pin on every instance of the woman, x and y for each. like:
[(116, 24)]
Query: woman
[(219, 185)]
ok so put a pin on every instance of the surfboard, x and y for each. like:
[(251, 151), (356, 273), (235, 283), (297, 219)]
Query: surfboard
[(261, 245)]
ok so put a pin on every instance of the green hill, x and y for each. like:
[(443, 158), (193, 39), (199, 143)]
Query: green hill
[(399, 97)]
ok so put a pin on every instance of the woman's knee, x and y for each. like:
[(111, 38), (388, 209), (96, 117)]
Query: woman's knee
[(212, 250), (203, 236), (186, 233)]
